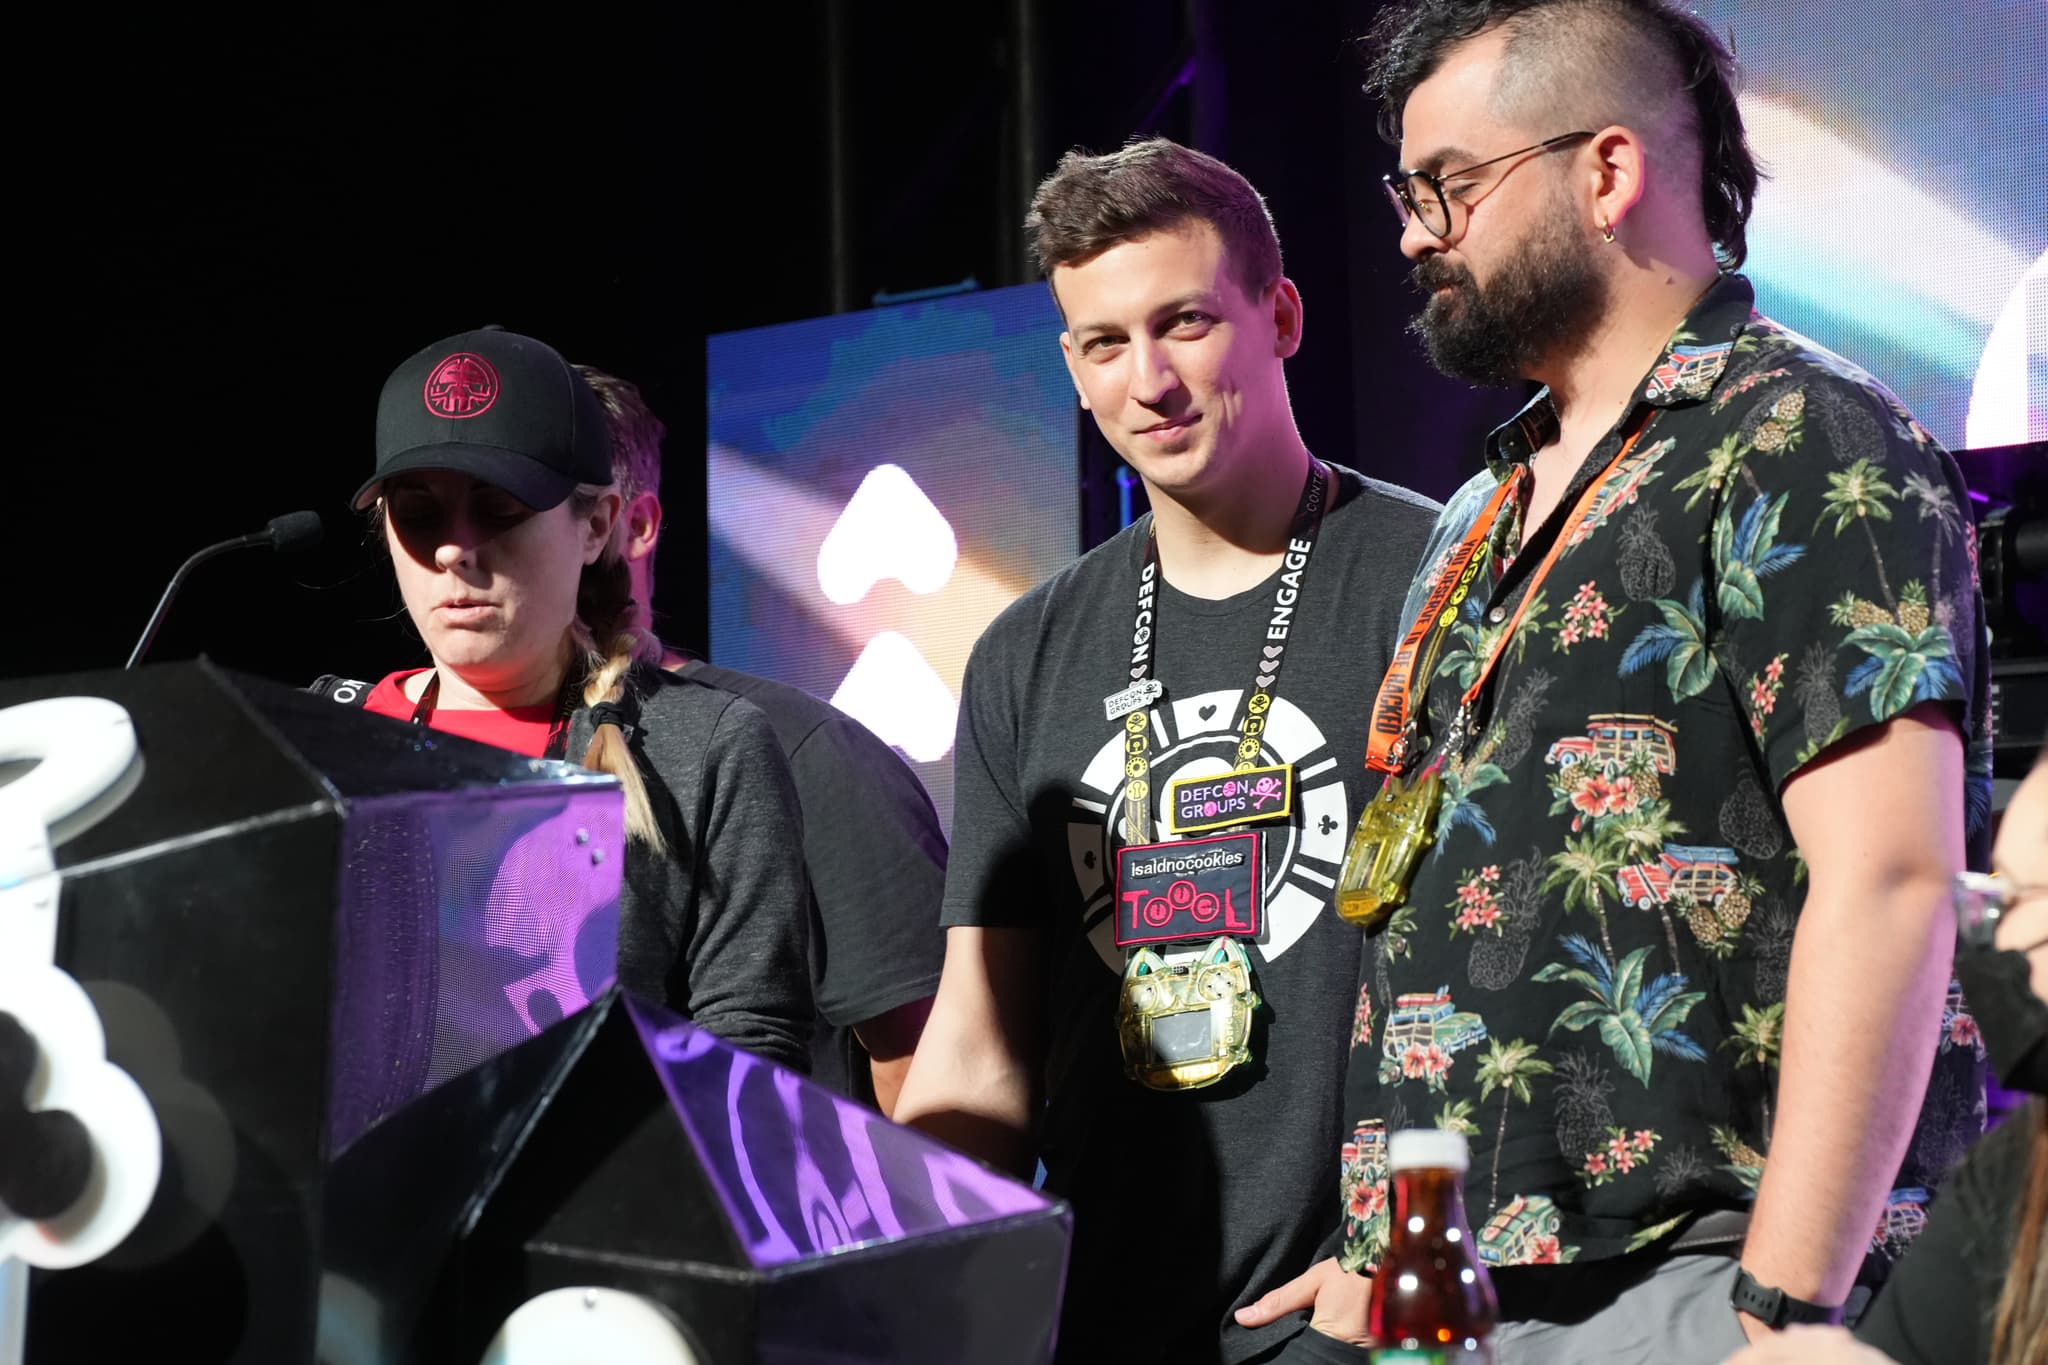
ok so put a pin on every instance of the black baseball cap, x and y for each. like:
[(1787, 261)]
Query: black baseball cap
[(501, 407)]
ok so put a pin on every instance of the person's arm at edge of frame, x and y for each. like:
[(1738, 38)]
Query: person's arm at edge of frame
[(974, 1081), (1879, 820), (878, 861), (977, 1079), (890, 1039)]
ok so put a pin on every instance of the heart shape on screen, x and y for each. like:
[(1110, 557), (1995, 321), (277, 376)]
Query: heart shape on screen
[(889, 529), (896, 693)]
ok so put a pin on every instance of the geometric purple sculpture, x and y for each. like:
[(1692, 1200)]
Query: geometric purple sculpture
[(468, 921), (303, 922), (803, 1172), (774, 1222)]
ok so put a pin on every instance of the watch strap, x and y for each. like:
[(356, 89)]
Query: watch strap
[(1776, 1309)]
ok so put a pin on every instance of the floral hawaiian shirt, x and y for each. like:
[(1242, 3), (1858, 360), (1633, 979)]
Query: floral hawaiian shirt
[(1588, 979)]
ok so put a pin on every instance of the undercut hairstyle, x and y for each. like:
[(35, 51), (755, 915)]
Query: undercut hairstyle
[(634, 430), (1092, 203), (1586, 64)]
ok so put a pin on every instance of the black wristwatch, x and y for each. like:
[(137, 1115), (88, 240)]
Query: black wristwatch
[(1776, 1309)]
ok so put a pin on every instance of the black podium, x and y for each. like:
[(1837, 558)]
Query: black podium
[(362, 973), (772, 1220)]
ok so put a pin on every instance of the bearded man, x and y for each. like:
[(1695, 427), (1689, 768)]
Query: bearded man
[(1691, 708)]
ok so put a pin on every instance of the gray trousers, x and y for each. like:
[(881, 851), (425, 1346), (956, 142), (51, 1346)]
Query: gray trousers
[(1676, 1314)]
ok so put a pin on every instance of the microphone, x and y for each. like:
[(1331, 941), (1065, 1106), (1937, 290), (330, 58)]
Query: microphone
[(292, 531)]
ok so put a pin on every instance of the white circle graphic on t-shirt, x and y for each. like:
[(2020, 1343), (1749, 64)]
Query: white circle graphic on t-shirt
[(1196, 737)]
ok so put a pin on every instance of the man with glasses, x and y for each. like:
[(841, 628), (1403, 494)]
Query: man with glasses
[(1656, 893)]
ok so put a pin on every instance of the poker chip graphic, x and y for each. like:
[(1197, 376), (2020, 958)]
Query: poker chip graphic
[(1194, 737)]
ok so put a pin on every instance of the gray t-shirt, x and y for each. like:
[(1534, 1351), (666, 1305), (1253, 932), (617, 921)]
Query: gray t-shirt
[(1187, 1205), (876, 858), (718, 929)]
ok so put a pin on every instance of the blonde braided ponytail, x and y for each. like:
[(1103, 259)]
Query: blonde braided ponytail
[(609, 645)]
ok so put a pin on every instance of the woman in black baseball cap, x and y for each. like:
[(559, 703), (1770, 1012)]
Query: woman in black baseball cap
[(493, 494)]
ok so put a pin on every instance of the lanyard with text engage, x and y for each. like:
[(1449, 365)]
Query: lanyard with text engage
[(1183, 1025), (1400, 821), (1301, 541)]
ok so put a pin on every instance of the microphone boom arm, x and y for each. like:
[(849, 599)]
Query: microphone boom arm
[(293, 531), (163, 606)]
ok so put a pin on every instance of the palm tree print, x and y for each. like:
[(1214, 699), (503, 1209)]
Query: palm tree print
[(1456, 1117), (1858, 495), (1506, 1067), (1586, 871), (1476, 641), (1638, 835), (1457, 810), (1720, 466), (1747, 553), (1903, 667), (1635, 1018), (1756, 1039), (1679, 642), (1938, 505), (1641, 834)]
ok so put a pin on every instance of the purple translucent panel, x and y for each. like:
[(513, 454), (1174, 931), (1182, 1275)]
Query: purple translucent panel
[(467, 922), (804, 1172)]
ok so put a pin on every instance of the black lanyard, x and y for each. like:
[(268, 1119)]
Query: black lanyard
[(1301, 543), (558, 732)]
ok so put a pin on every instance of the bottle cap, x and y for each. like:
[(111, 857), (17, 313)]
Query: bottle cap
[(1427, 1149)]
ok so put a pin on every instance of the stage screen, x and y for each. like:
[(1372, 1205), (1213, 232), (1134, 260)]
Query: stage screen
[(881, 484), (1905, 220)]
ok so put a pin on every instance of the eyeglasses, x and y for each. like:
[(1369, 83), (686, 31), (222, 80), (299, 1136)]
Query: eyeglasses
[(1419, 194), (1981, 901)]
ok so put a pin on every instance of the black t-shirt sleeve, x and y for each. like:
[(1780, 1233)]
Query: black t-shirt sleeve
[(1936, 1307), (749, 979), (993, 877), (877, 862)]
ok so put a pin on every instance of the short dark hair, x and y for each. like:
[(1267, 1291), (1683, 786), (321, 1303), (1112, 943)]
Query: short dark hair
[(634, 430), (1645, 50), (1092, 203)]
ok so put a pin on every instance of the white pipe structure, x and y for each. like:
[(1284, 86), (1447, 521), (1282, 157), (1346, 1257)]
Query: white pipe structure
[(85, 763)]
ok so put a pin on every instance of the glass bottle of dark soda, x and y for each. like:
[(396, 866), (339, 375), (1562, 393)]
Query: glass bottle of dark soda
[(1431, 1299)]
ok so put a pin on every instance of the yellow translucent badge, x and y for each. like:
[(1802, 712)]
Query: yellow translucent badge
[(1187, 1026), (1393, 830)]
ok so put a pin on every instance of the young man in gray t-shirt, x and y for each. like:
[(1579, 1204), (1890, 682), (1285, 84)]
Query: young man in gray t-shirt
[(1170, 1046)]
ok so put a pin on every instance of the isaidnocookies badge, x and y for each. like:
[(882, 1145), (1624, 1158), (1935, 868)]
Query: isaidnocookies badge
[(1191, 888), (1196, 804)]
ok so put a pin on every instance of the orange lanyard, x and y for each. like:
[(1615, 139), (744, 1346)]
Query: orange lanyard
[(1393, 727), (1390, 742)]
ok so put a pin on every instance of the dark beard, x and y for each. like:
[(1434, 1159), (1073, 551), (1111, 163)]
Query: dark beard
[(1546, 297)]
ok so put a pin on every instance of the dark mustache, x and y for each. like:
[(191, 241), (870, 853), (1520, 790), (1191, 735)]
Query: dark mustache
[(1436, 272)]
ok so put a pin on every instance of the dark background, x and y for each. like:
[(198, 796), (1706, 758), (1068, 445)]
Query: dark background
[(231, 232)]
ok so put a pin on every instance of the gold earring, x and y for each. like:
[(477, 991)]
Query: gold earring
[(1606, 231)]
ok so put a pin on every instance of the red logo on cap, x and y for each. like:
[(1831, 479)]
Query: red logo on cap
[(463, 385)]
